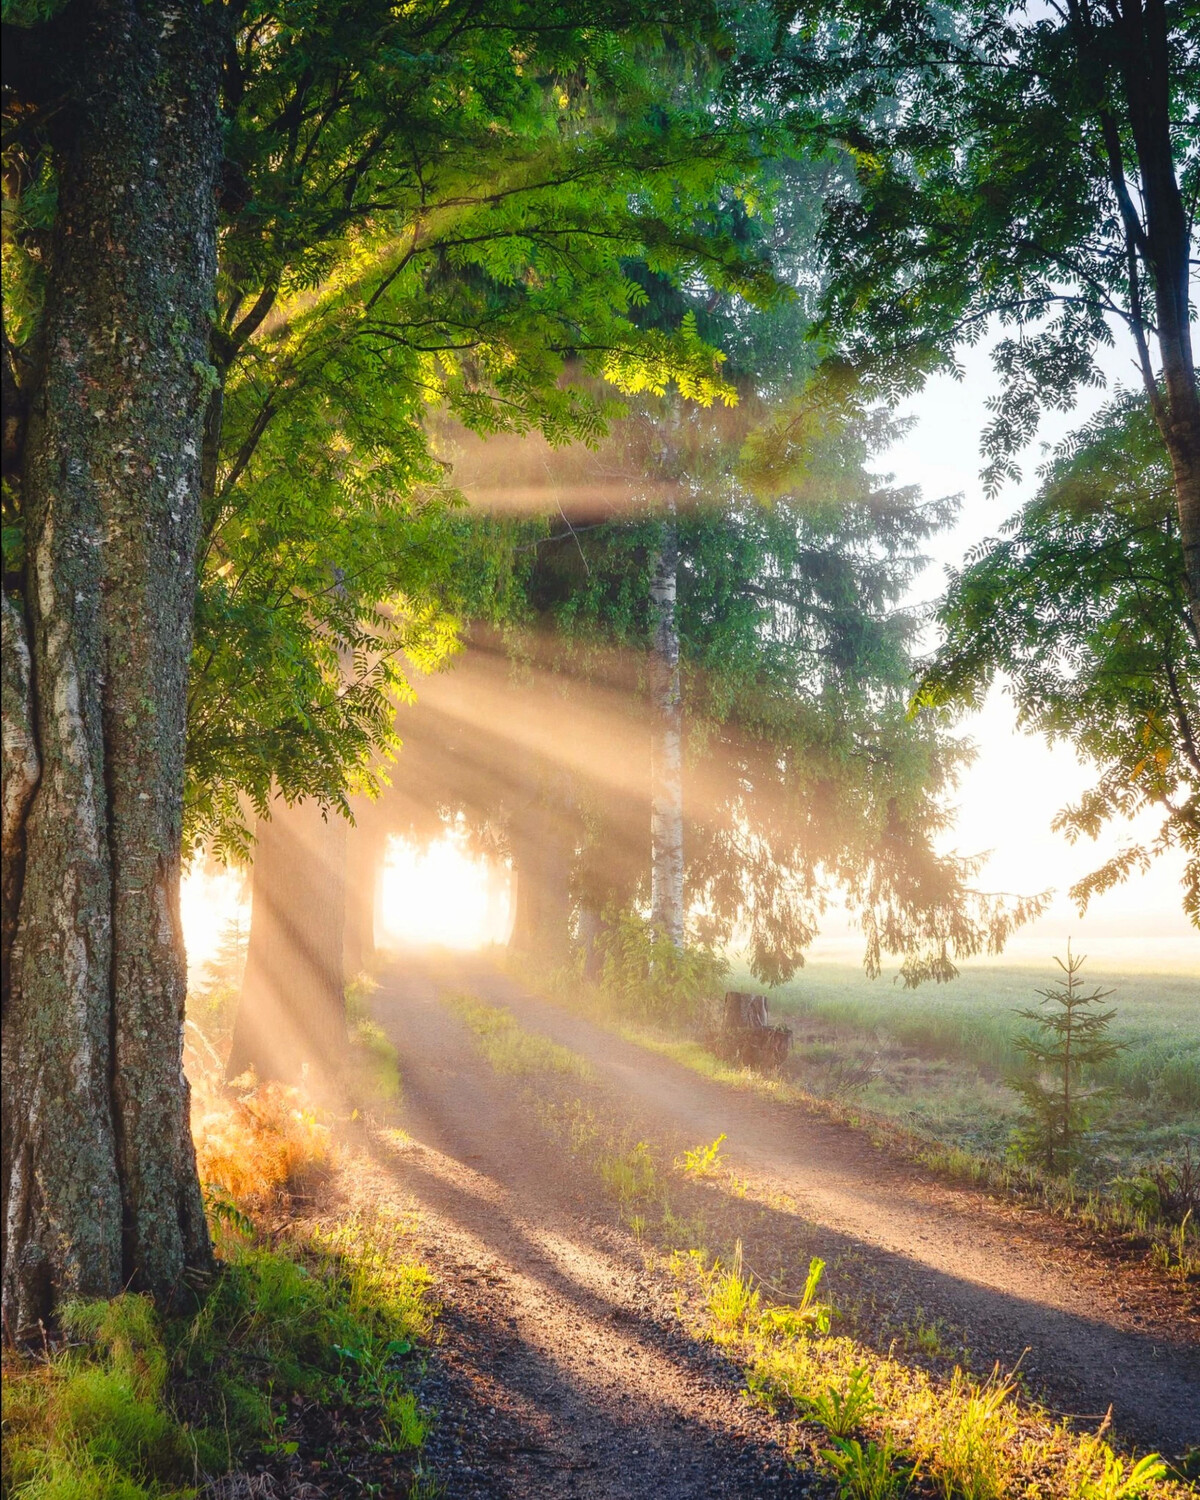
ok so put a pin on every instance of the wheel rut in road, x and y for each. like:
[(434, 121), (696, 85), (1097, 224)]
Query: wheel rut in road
[(597, 1390), (559, 1372)]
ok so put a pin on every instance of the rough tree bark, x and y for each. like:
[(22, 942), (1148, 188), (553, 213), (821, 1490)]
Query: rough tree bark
[(666, 748), (292, 1014), (99, 1179)]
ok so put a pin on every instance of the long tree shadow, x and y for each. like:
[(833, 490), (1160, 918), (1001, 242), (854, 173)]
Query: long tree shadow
[(536, 1418), (1153, 1392)]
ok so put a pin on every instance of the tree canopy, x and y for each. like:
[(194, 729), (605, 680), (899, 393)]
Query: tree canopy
[(1028, 170), (1082, 610)]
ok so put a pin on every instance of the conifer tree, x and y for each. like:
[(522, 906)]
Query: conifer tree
[(1072, 1036)]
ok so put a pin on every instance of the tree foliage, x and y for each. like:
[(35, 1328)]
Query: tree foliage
[(1035, 169), (1082, 610), (1071, 1036), (426, 206)]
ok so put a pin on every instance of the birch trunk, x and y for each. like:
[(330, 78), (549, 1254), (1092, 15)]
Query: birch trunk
[(292, 1017), (666, 748), (99, 1181)]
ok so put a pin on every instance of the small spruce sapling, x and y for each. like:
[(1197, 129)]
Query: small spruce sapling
[(1072, 1035)]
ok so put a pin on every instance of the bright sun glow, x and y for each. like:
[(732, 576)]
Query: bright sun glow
[(209, 900), (443, 895)]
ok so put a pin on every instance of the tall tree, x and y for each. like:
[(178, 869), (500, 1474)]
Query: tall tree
[(1032, 167), (112, 107), (666, 754), (413, 209)]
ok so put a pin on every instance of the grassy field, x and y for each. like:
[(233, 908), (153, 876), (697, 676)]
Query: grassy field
[(939, 1058)]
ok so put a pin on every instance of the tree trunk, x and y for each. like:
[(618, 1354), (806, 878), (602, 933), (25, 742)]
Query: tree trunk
[(21, 768), (364, 854), (99, 1178), (666, 749), (541, 851), (1166, 245), (291, 1023)]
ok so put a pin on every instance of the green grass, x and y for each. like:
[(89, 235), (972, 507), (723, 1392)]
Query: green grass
[(938, 1059), (510, 1048), (128, 1406)]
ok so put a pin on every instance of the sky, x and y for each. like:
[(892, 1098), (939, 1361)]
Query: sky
[(1009, 796)]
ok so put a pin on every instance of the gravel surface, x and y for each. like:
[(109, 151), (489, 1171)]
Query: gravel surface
[(562, 1368)]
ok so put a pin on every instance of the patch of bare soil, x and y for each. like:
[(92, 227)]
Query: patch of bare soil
[(562, 1367)]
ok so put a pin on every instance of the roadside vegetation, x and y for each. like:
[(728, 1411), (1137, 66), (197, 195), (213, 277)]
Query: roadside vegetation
[(295, 1364), (934, 1075), (882, 1410)]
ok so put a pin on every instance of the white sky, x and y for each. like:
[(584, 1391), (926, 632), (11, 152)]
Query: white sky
[(1009, 796)]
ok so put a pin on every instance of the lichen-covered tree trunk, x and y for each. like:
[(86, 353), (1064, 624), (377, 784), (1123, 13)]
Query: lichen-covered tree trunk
[(99, 1178), (666, 749), (291, 1022)]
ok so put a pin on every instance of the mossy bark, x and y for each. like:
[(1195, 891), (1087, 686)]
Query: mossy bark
[(99, 1179)]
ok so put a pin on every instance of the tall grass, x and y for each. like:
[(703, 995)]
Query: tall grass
[(128, 1406)]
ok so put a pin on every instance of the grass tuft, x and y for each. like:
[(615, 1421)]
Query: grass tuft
[(511, 1049)]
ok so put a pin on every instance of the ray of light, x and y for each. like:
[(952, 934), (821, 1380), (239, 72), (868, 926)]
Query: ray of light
[(442, 894)]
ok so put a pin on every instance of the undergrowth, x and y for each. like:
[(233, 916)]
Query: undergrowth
[(510, 1048), (884, 1427), (123, 1404)]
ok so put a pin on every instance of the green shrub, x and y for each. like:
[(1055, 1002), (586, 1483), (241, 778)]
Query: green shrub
[(648, 977)]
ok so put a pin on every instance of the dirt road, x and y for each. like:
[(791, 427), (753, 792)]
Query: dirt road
[(571, 1375)]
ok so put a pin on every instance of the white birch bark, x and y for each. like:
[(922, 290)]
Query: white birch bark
[(666, 749)]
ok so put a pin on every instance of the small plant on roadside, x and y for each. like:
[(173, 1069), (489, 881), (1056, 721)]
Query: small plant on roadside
[(1072, 1035), (1174, 1187), (1175, 1256), (808, 1316), (732, 1299), (702, 1161), (972, 1438), (629, 1175), (1101, 1475), (868, 1471), (840, 1412)]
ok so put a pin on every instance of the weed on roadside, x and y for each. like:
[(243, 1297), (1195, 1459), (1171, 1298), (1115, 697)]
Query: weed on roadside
[(510, 1048), (868, 1471)]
